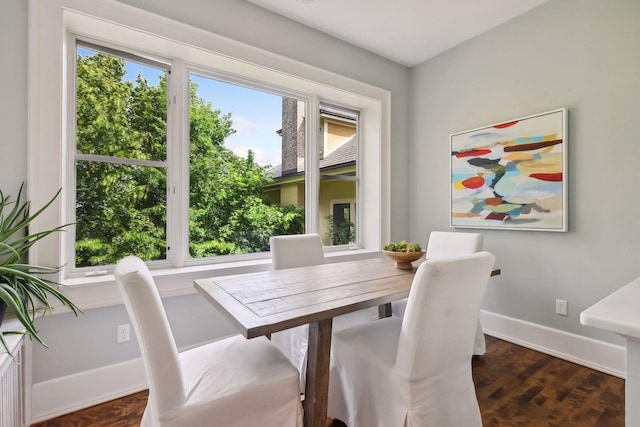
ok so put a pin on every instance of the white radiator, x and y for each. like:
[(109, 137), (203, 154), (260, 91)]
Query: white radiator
[(12, 405)]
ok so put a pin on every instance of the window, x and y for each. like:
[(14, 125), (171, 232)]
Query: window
[(150, 169), (240, 139), (120, 157), (246, 156), (338, 175)]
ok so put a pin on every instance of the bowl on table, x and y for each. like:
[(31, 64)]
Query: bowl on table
[(404, 259)]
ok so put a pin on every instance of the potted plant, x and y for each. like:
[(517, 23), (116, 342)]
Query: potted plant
[(24, 289)]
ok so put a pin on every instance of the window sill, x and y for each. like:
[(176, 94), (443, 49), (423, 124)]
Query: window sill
[(100, 291)]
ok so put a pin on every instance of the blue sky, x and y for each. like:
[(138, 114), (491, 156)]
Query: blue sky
[(256, 115)]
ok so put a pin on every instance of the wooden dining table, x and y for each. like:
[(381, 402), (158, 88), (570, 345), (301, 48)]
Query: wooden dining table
[(265, 302)]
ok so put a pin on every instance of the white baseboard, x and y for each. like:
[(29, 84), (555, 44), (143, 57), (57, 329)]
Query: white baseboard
[(599, 355), (60, 396)]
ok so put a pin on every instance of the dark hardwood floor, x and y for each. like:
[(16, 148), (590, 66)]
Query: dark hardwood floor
[(123, 412), (515, 387), (521, 387)]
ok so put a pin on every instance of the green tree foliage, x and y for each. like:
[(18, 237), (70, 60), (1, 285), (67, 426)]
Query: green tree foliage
[(121, 209)]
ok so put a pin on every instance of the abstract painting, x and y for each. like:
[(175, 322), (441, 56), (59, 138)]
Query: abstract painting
[(511, 175)]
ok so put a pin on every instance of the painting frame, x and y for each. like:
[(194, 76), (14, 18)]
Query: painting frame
[(511, 175)]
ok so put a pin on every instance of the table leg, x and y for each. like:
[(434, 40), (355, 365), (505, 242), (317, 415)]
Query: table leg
[(317, 380), (632, 383), (384, 310)]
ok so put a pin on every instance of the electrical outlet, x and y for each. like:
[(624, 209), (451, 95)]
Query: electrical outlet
[(124, 333), (562, 307)]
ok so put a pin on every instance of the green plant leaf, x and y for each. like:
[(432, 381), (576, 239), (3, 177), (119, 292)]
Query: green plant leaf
[(21, 287), (14, 302)]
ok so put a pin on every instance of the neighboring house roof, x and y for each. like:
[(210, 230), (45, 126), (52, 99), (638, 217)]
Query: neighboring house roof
[(275, 172), (341, 156), (345, 153)]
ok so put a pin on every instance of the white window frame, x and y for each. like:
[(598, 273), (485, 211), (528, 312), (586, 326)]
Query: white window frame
[(71, 182), (52, 24)]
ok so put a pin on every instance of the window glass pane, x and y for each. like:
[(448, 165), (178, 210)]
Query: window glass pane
[(338, 175), (246, 168), (121, 107), (121, 183), (341, 225), (120, 210)]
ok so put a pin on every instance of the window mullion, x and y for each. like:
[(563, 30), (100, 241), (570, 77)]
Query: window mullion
[(120, 160), (178, 152)]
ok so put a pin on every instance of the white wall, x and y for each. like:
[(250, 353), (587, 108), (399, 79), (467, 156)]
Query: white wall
[(579, 54), (13, 108), (89, 342)]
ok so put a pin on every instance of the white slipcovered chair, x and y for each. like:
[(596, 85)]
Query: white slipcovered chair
[(302, 250), (445, 244), (297, 250), (415, 371), (233, 382)]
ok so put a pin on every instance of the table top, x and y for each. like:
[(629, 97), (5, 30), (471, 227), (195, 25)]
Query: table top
[(269, 301), (617, 312)]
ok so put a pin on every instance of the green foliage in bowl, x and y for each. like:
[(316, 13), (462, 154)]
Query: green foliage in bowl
[(402, 246)]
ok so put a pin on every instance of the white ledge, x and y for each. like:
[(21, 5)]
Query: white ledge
[(100, 291)]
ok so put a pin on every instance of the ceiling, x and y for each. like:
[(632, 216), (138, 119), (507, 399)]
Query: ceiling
[(405, 31)]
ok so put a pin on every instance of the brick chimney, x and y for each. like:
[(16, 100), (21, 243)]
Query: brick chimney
[(292, 136)]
